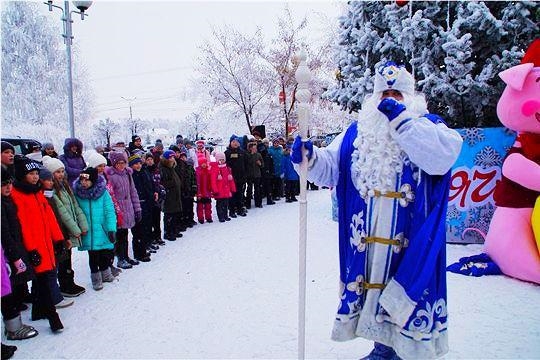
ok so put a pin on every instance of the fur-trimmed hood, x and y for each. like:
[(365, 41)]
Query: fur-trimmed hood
[(68, 143), (92, 193)]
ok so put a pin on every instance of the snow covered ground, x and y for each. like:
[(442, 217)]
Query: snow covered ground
[(229, 291)]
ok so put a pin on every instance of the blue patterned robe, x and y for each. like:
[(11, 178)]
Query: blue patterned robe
[(394, 293)]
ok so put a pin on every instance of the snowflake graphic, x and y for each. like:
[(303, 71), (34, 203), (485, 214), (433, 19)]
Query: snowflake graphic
[(473, 136), (488, 157), (453, 213), (481, 216)]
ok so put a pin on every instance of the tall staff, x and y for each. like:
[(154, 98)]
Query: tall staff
[(303, 96)]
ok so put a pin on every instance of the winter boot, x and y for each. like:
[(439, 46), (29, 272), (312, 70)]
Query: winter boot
[(123, 264), (132, 261), (97, 281), (64, 303), (16, 330), (381, 352), (114, 270), (107, 276), (73, 291), (8, 351), (68, 288)]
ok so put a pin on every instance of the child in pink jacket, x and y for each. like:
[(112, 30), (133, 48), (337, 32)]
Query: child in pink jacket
[(223, 186), (204, 191)]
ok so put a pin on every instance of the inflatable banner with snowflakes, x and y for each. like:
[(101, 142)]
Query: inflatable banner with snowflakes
[(474, 175)]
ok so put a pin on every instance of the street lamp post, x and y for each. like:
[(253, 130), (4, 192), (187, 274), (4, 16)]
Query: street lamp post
[(68, 40)]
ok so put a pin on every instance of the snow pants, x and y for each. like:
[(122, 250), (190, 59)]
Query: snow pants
[(221, 209), (99, 260), (237, 201), (204, 209), (121, 246), (142, 232)]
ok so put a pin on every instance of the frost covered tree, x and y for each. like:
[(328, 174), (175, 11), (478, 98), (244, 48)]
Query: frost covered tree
[(196, 124), (34, 88), (454, 48), (105, 129), (233, 71), (280, 57)]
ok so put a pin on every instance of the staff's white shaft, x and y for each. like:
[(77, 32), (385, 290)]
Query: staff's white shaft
[(302, 96)]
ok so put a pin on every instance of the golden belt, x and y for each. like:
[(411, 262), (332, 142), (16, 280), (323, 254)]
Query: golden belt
[(390, 194)]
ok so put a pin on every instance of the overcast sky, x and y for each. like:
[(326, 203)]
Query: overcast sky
[(146, 50)]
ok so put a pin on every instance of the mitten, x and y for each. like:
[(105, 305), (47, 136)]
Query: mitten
[(296, 154), (391, 108), (58, 248), (229, 177), (34, 257), (20, 266), (112, 236)]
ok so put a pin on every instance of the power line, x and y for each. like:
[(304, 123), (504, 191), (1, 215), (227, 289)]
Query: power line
[(142, 73)]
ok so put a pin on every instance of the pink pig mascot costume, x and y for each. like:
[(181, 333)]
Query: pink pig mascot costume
[(511, 241)]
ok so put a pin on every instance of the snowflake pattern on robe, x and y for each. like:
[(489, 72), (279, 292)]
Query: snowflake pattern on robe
[(423, 322), (358, 232)]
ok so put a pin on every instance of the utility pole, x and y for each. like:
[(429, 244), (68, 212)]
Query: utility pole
[(130, 101)]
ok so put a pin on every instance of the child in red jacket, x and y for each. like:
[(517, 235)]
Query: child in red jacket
[(222, 186), (204, 191), (39, 231)]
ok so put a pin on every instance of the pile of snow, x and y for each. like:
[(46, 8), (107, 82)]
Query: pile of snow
[(229, 290)]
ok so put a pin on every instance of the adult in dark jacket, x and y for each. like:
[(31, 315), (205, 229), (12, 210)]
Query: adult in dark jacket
[(172, 205), (253, 176), (181, 170), (237, 160), (17, 259), (189, 190), (267, 174), (73, 159)]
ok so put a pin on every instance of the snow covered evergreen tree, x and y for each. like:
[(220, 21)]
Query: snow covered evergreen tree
[(34, 88), (454, 48)]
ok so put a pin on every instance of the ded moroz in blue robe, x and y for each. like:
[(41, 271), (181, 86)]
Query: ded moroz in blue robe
[(394, 292)]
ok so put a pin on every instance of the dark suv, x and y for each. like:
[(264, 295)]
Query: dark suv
[(23, 146)]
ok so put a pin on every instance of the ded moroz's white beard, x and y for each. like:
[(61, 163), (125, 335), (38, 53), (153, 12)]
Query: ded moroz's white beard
[(378, 158)]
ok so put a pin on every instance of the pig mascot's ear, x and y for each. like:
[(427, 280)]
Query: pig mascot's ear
[(516, 75)]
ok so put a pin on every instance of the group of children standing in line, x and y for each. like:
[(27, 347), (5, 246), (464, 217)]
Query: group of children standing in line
[(52, 204)]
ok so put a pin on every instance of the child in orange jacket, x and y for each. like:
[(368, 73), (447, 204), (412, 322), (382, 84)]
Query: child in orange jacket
[(39, 230)]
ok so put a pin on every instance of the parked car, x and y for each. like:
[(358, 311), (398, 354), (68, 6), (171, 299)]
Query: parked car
[(23, 146)]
